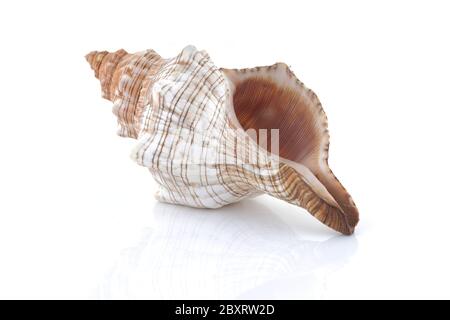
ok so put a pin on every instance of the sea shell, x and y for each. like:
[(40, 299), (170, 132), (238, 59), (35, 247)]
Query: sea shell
[(199, 132)]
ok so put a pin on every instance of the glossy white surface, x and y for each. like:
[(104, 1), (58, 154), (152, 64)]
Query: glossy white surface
[(242, 251), (78, 218)]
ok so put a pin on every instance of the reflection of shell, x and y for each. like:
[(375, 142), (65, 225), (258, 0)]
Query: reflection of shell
[(182, 110), (190, 254)]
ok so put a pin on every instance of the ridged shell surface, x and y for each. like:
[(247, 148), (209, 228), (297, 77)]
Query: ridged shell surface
[(192, 122)]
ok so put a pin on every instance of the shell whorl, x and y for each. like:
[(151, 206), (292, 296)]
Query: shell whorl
[(180, 111), (104, 64), (126, 80), (95, 59)]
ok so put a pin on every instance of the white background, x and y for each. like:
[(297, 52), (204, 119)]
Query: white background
[(78, 218)]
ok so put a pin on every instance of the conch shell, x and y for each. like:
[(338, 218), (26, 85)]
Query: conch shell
[(199, 131)]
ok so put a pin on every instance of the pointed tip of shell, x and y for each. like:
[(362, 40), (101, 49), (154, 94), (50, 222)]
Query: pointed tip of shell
[(95, 59), (347, 221)]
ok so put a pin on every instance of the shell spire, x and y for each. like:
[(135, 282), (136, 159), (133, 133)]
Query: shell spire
[(104, 64), (194, 126), (95, 59)]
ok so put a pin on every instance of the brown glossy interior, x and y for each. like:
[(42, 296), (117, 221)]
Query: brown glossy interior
[(260, 104)]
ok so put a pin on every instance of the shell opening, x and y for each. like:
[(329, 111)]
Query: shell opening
[(273, 98)]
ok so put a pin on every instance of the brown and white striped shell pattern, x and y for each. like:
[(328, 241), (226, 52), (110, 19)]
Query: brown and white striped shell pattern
[(200, 130)]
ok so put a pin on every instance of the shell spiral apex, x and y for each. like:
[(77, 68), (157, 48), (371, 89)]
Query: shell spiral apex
[(212, 136)]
